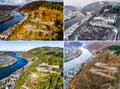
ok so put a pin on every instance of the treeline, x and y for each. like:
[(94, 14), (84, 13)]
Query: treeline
[(52, 6), (115, 48), (115, 9)]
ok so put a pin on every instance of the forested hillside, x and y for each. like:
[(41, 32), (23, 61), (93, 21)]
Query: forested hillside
[(45, 70), (43, 21)]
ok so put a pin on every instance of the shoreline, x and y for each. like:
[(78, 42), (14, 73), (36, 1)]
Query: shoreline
[(9, 65), (75, 70), (71, 58), (7, 18), (17, 61), (6, 33)]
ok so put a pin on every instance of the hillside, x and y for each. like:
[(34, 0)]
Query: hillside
[(98, 46), (44, 21), (104, 67), (7, 53), (37, 4), (102, 25), (73, 8), (74, 44), (6, 59), (45, 70), (92, 7), (7, 7)]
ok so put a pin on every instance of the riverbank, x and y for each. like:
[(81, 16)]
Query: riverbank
[(5, 72), (5, 66), (77, 19), (11, 22), (75, 55), (13, 77), (72, 67), (5, 15), (104, 67), (6, 28)]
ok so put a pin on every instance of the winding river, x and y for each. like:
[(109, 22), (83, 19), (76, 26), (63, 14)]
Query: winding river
[(7, 24), (77, 61), (5, 72), (74, 20)]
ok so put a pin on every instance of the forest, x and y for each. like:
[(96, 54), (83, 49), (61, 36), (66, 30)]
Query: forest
[(115, 48), (42, 23)]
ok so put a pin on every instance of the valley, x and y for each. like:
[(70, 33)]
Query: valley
[(37, 68), (103, 67), (32, 25), (101, 22)]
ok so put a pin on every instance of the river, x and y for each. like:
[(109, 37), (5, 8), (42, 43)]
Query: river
[(77, 61), (5, 72), (9, 23), (74, 20)]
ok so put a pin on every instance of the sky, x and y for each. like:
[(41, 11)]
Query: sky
[(25, 46), (83, 2), (19, 2)]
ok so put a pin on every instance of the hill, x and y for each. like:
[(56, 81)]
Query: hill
[(74, 44), (99, 46), (102, 25), (45, 70), (37, 4), (101, 68), (92, 7), (70, 7), (7, 7), (6, 59), (44, 21)]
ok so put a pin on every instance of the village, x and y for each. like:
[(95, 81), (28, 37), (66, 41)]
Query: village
[(9, 82)]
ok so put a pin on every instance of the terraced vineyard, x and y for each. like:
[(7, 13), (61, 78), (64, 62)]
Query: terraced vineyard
[(46, 69)]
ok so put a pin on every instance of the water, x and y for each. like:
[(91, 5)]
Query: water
[(5, 72), (74, 63), (9, 23), (72, 21)]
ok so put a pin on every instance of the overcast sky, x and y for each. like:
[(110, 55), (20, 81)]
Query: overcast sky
[(25, 46), (83, 2), (19, 2)]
